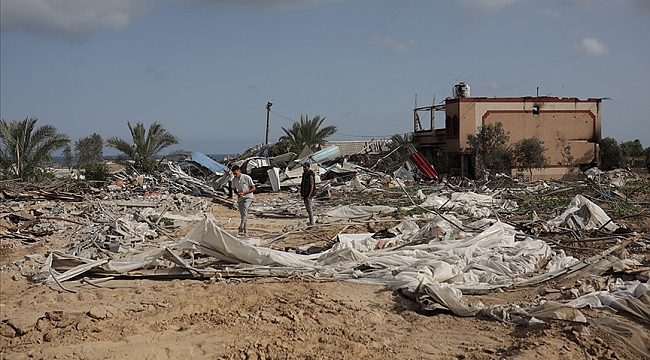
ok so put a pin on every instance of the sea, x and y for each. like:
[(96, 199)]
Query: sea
[(218, 157)]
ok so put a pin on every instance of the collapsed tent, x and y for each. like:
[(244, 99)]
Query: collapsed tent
[(442, 269), (582, 214)]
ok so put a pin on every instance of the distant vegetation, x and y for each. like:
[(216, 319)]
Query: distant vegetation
[(26, 150)]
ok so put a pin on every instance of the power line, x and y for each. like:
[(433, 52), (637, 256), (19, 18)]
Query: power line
[(282, 116)]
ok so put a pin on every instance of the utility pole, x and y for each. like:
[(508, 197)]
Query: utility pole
[(268, 110)]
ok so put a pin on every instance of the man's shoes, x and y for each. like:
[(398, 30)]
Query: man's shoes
[(240, 229)]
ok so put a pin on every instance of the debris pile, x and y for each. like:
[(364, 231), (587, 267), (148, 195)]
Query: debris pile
[(574, 244)]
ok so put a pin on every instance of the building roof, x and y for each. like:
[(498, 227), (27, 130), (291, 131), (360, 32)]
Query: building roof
[(522, 98)]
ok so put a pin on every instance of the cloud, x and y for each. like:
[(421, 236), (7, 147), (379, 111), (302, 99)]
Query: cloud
[(72, 19), (78, 19), (487, 6), (590, 47), (391, 43)]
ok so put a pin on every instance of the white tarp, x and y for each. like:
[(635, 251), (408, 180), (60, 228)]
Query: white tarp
[(439, 271), (350, 237), (358, 211), (582, 214), (469, 203), (600, 299), (211, 237)]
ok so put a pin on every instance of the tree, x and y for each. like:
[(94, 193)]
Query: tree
[(24, 148), (400, 139), (68, 158), (610, 154), (489, 147), (308, 133), (632, 148), (529, 154), (89, 151), (146, 145)]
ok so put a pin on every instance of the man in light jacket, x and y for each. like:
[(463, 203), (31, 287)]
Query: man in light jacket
[(244, 188)]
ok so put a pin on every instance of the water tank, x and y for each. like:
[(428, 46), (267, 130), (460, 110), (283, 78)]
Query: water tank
[(461, 90)]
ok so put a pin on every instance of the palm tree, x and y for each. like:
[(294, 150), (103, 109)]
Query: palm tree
[(398, 140), (146, 145), (307, 133), (24, 148)]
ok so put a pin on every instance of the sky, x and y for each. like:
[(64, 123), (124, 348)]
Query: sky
[(206, 69)]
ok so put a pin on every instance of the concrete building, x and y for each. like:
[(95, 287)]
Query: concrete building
[(559, 122)]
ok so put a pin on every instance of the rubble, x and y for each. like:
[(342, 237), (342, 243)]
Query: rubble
[(434, 242)]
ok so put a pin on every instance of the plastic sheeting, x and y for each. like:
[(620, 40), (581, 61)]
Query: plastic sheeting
[(208, 236), (582, 214), (435, 273), (358, 211), (469, 203), (633, 300), (490, 259)]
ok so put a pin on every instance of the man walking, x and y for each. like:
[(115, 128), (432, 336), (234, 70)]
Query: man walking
[(307, 189), (244, 188)]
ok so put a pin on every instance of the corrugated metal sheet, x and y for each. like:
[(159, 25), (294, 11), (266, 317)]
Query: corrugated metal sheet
[(206, 161), (424, 166), (329, 153)]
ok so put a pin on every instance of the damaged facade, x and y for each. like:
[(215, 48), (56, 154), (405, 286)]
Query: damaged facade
[(558, 122)]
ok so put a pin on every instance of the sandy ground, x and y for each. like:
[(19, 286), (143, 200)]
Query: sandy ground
[(264, 319)]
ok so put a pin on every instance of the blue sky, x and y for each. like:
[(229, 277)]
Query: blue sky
[(206, 68)]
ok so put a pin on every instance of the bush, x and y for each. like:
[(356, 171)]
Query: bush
[(610, 154), (95, 171)]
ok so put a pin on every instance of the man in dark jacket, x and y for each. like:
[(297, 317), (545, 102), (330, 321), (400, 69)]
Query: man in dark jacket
[(307, 189)]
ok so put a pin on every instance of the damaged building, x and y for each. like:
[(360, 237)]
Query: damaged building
[(561, 123)]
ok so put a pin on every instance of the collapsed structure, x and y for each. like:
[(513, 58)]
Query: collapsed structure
[(459, 244)]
